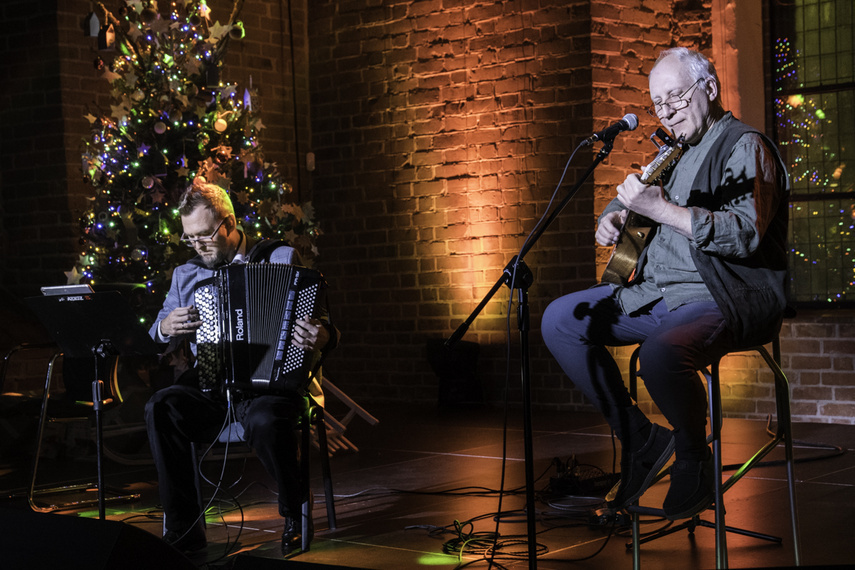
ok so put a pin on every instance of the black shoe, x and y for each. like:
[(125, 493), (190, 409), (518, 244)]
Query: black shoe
[(187, 540), (637, 470), (292, 536), (692, 488)]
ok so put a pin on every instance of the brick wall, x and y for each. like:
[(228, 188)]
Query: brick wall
[(440, 129), (35, 226)]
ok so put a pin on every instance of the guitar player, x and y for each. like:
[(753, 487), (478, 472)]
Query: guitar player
[(711, 279)]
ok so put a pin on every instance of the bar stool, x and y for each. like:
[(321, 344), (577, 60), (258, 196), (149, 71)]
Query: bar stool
[(782, 433)]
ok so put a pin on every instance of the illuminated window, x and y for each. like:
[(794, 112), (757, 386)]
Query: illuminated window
[(814, 101)]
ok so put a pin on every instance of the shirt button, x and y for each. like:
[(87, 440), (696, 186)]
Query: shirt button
[(662, 289)]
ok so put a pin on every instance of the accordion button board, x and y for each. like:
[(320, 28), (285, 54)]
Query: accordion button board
[(248, 313)]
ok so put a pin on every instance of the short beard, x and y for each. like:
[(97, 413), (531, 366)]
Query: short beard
[(218, 260)]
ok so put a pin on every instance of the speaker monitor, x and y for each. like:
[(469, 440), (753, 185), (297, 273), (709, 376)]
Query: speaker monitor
[(48, 540)]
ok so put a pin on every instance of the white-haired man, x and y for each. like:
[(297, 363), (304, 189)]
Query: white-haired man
[(712, 279)]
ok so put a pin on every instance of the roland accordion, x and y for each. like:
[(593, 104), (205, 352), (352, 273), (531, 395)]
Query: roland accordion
[(248, 313)]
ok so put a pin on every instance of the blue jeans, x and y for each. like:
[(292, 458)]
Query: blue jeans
[(578, 327)]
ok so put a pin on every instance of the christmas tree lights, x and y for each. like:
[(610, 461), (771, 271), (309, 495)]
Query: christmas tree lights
[(172, 121), (822, 231)]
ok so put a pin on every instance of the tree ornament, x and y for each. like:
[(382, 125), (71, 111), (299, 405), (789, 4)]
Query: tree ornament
[(170, 122), (91, 25), (147, 16), (237, 32), (107, 38)]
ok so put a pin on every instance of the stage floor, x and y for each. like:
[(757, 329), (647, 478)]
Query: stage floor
[(425, 481)]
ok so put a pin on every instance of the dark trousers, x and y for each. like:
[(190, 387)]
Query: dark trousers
[(178, 415), (578, 327)]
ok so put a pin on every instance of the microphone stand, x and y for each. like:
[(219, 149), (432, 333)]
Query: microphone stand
[(517, 275)]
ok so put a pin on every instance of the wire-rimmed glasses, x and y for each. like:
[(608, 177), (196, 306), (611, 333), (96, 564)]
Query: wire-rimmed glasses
[(193, 242), (674, 103)]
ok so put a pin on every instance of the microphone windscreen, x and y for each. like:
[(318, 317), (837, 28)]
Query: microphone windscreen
[(631, 120)]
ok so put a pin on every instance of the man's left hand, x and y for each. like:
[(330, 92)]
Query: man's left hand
[(310, 334)]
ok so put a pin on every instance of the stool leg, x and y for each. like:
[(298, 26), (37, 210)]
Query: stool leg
[(714, 400), (636, 542), (323, 445), (791, 484), (785, 428), (306, 515)]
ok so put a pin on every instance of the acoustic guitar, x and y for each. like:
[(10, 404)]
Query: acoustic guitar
[(637, 229)]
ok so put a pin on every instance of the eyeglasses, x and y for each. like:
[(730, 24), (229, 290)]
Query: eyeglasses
[(674, 103), (193, 242)]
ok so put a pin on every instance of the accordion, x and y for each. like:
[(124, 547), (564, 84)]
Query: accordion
[(248, 313)]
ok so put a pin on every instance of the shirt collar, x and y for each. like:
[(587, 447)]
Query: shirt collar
[(240, 256)]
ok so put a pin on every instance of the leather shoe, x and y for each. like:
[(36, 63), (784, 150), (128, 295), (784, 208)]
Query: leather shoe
[(692, 488), (292, 536), (639, 469), (187, 540)]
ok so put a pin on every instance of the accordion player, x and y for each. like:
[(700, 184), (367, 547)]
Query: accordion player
[(248, 312)]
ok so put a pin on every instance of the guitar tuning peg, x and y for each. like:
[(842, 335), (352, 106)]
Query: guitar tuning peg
[(664, 136)]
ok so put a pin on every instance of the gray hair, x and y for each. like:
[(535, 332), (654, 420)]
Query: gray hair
[(695, 63)]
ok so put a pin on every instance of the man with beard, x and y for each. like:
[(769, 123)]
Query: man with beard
[(181, 413)]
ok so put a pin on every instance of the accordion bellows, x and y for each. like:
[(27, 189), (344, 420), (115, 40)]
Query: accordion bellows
[(248, 313)]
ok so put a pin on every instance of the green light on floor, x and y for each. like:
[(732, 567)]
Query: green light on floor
[(437, 559), (107, 513)]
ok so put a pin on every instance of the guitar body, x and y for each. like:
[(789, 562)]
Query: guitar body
[(637, 229)]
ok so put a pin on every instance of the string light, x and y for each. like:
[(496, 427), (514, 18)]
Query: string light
[(170, 122)]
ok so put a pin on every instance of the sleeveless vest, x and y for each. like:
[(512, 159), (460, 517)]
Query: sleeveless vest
[(751, 292)]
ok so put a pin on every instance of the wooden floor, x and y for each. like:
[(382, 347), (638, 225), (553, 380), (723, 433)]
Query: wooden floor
[(424, 484)]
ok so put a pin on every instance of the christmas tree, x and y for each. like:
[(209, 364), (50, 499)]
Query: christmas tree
[(172, 121)]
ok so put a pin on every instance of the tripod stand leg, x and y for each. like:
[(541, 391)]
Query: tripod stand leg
[(636, 542), (97, 399), (531, 513)]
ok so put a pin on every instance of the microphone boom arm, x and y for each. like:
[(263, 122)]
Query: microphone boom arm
[(461, 330)]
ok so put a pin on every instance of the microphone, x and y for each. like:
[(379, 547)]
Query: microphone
[(628, 123)]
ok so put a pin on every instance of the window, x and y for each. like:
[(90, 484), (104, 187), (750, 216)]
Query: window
[(814, 101)]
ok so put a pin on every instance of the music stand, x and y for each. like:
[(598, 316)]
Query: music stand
[(97, 325)]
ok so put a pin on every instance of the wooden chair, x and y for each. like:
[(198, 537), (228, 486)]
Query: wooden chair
[(60, 407)]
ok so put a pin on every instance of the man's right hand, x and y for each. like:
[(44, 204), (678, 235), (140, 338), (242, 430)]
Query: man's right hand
[(183, 320), (608, 231)]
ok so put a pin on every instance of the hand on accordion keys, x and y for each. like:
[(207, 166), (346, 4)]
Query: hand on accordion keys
[(310, 334), (181, 321)]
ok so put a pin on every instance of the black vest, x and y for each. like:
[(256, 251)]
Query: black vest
[(751, 292)]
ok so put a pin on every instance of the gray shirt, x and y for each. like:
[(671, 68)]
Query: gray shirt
[(733, 228)]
